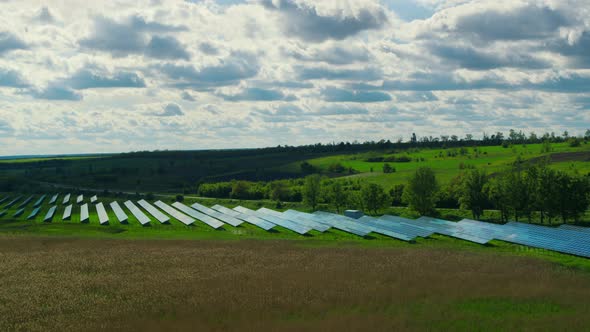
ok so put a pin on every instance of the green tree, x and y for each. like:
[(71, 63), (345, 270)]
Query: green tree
[(421, 192), (312, 190), (337, 195), (278, 191), (498, 194), (388, 169), (374, 197), (473, 195), (396, 194), (240, 190)]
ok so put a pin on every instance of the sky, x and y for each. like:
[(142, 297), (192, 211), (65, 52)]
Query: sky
[(115, 76)]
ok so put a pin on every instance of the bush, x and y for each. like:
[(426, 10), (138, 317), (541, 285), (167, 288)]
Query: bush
[(336, 168), (388, 169), (574, 142)]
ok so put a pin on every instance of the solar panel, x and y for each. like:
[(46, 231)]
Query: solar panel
[(183, 218), (103, 217), (3, 213), (34, 213), (80, 199), (198, 215), (4, 199), (39, 201), (19, 212), (380, 228), (93, 199), (137, 213), (67, 213), (343, 223), (407, 226), (53, 199), (264, 224), (50, 214), (153, 211), (84, 216), (25, 202), (295, 227), (576, 228), (303, 219), (66, 199), (11, 203), (121, 216), (451, 229), (218, 215)]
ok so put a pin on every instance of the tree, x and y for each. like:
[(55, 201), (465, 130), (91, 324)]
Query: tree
[(396, 194), (497, 192), (312, 190), (374, 197), (388, 169), (420, 193), (337, 195), (240, 190), (473, 194), (278, 191)]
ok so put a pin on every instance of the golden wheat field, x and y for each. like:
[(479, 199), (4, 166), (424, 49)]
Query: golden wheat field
[(59, 284)]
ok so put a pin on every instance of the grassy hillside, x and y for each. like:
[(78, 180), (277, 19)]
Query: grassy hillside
[(181, 171)]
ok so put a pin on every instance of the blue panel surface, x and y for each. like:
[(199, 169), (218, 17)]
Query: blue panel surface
[(183, 218), (215, 223), (218, 215), (264, 224), (49, 216)]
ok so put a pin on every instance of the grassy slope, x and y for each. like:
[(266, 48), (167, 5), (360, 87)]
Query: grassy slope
[(496, 159)]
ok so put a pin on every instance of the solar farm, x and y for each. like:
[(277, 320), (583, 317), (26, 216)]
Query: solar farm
[(567, 239)]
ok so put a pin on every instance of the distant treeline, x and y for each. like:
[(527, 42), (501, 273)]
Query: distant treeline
[(525, 191)]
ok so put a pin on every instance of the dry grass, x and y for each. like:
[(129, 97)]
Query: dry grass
[(82, 284)]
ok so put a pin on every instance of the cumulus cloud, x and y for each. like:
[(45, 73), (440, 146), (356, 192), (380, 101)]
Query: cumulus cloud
[(307, 20), (10, 42), (44, 16), (12, 78), (333, 94), (55, 92), (257, 94), (169, 110), (316, 73), (132, 36), (87, 78)]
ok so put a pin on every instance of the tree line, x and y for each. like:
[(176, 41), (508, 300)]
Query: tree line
[(524, 191)]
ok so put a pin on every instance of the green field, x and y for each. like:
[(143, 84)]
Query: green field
[(492, 159)]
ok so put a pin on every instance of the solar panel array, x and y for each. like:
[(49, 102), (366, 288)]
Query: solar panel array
[(288, 224), (66, 199), (19, 212), (39, 201), (300, 218), (343, 223), (53, 199), (4, 199), (84, 216), (217, 215), (67, 213), (198, 215), (34, 213), (93, 199), (119, 213), (50, 214), (80, 199), (25, 202), (264, 224), (137, 213), (11, 203), (103, 217), (183, 218), (153, 211)]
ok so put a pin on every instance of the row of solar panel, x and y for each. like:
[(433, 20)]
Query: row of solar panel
[(567, 238), (66, 200)]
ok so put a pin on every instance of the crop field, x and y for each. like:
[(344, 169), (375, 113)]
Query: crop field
[(72, 284)]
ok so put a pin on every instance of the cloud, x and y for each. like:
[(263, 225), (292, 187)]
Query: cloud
[(443, 81), (333, 94), (44, 16), (131, 36), (318, 73), (88, 79), (187, 96), (576, 49), (55, 92), (471, 58), (416, 97), (11, 78), (340, 109), (334, 54), (257, 94), (170, 110), (476, 22), (208, 48), (10, 42), (305, 21), (227, 71), (6, 129), (162, 47)]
